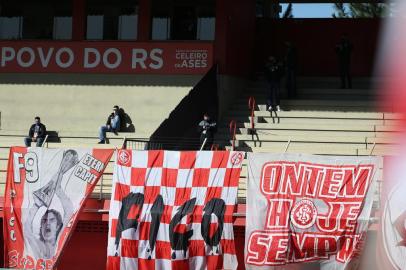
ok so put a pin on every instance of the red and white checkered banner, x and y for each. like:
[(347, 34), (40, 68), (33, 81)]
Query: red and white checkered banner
[(173, 210), (306, 208), (45, 191)]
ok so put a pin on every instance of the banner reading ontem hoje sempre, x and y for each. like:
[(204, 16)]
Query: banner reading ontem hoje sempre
[(307, 208)]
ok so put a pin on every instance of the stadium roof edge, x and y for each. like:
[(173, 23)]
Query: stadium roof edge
[(328, 1)]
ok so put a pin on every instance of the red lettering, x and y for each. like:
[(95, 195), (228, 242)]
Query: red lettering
[(278, 214), (291, 183), (270, 178)]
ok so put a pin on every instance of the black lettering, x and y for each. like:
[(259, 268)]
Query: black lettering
[(180, 241), (218, 207), (156, 214), (124, 222)]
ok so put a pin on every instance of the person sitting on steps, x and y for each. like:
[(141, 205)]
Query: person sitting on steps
[(36, 133), (112, 125)]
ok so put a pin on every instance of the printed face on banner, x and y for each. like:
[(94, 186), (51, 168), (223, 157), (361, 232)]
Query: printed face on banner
[(44, 193), (391, 247), (312, 211), (173, 210)]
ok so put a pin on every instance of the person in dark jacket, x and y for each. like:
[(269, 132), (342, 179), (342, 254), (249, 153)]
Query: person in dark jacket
[(36, 133), (273, 74), (206, 128), (113, 124), (344, 51)]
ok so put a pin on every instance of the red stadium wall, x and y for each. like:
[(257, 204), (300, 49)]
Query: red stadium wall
[(315, 41), (235, 35)]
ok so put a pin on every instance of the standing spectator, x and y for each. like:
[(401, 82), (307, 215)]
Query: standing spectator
[(273, 73), (290, 64), (206, 128), (112, 125), (36, 133), (344, 50)]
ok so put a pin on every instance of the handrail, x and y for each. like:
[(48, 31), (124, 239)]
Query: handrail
[(45, 141), (233, 128), (251, 106), (287, 146)]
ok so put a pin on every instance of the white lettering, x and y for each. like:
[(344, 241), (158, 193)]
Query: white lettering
[(45, 59), (140, 60), (156, 55), (20, 60), (59, 58), (87, 63), (106, 58), (7, 54)]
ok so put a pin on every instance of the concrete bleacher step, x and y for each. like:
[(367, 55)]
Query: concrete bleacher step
[(318, 115), (341, 138)]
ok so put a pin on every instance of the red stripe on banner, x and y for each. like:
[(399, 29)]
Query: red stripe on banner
[(121, 190), (138, 176), (180, 265), (232, 177), (214, 262), (155, 158), (187, 159), (113, 263), (129, 248), (163, 250), (150, 194), (201, 177), (113, 227), (220, 159), (13, 200), (169, 177), (145, 264)]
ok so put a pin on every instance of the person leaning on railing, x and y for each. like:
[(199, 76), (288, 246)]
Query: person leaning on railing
[(207, 128)]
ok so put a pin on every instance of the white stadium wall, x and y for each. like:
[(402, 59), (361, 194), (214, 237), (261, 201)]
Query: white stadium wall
[(79, 104)]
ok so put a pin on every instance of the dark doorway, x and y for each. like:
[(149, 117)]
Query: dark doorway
[(184, 23)]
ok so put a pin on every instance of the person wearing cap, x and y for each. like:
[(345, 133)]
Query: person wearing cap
[(206, 127), (112, 125), (36, 133)]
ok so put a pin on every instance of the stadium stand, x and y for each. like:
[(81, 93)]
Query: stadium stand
[(338, 122)]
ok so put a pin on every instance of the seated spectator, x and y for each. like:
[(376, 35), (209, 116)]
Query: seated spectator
[(207, 128), (36, 133), (112, 125)]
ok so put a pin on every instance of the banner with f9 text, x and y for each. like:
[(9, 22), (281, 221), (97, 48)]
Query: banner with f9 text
[(45, 191), (173, 210), (307, 208)]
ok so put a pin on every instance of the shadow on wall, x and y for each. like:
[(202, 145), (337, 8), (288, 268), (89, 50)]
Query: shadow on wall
[(126, 123), (98, 79), (179, 130)]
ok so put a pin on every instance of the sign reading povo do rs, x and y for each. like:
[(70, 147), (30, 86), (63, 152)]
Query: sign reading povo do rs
[(106, 57), (173, 210), (45, 191), (317, 209)]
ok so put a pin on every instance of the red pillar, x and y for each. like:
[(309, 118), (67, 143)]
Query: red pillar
[(79, 20), (144, 20), (221, 34)]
